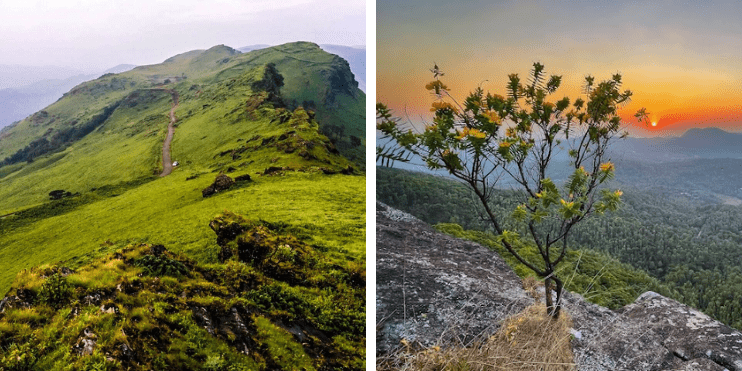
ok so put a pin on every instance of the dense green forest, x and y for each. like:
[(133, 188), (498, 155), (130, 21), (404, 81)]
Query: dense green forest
[(692, 248)]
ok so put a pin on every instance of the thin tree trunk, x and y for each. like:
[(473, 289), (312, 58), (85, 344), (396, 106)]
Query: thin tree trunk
[(552, 308), (547, 296), (559, 287)]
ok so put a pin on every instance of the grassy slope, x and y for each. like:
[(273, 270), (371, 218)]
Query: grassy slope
[(122, 201), (307, 70), (212, 118), (328, 210), (305, 67)]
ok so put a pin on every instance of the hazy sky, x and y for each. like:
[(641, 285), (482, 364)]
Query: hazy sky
[(682, 59), (94, 35)]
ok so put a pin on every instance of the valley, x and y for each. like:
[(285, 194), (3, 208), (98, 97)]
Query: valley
[(685, 248)]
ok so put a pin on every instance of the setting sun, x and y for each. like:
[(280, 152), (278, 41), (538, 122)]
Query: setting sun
[(654, 123)]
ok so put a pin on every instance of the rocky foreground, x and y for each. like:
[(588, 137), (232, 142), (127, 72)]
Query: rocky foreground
[(433, 288)]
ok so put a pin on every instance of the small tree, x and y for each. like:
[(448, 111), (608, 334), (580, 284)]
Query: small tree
[(488, 138), (272, 79)]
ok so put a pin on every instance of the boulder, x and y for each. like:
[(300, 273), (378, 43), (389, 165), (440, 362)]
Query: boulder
[(221, 183), (653, 333), (243, 178), (431, 287)]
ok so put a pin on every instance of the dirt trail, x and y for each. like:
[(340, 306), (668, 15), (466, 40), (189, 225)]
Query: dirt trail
[(167, 163)]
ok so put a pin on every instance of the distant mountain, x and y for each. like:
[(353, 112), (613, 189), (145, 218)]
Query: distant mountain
[(703, 165), (14, 76), (695, 143), (120, 68), (17, 103)]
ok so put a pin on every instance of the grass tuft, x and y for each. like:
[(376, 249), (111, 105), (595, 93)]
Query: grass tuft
[(529, 340)]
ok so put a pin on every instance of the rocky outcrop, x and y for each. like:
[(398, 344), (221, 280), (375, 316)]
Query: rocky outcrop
[(432, 286), (653, 333), (221, 183), (341, 82)]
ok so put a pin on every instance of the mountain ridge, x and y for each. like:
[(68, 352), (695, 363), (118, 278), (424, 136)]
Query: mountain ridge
[(85, 210), (192, 64)]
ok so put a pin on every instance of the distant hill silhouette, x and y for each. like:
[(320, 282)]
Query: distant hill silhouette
[(16, 103), (693, 144)]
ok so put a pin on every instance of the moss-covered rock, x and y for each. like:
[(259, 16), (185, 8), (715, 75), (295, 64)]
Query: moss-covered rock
[(271, 304), (221, 183)]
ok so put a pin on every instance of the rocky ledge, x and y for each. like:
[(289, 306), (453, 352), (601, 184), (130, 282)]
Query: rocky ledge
[(653, 333), (432, 287)]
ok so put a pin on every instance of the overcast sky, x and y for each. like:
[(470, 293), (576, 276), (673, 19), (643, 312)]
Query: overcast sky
[(93, 35)]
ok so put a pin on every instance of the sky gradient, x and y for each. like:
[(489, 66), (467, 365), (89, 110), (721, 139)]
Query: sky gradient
[(93, 35), (682, 60)]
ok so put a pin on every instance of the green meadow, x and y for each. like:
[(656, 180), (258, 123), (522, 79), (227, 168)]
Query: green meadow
[(101, 144), (328, 210)]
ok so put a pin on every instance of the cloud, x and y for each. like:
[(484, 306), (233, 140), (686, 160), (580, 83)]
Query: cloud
[(107, 32)]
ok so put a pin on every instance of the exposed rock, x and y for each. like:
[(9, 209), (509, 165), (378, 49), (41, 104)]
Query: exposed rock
[(87, 347), (347, 171), (221, 183), (64, 271), (203, 318), (304, 332), (243, 178), (127, 355), (272, 169), (653, 333), (208, 191), (226, 230), (341, 81), (432, 287), (23, 299), (232, 325), (93, 298), (229, 326), (109, 308), (86, 344)]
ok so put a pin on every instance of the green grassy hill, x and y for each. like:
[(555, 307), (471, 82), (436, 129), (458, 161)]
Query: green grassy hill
[(102, 145)]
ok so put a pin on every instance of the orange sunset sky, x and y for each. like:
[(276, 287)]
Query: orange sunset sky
[(682, 60)]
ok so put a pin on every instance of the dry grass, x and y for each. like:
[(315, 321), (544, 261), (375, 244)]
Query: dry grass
[(529, 340), (534, 287)]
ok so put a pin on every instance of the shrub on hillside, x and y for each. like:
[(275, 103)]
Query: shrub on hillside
[(55, 291)]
